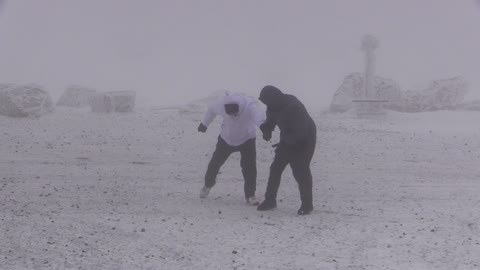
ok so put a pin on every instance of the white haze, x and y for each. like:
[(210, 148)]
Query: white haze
[(172, 52)]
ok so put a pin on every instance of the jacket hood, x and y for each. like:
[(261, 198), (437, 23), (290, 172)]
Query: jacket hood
[(272, 97), (234, 98)]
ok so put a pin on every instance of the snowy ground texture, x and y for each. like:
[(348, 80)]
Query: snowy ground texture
[(120, 191)]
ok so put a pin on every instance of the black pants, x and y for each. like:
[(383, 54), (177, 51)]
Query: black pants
[(299, 160), (247, 163)]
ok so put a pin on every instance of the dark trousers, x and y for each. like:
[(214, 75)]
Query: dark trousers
[(247, 163), (299, 160)]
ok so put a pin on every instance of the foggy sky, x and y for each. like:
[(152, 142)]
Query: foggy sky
[(172, 52)]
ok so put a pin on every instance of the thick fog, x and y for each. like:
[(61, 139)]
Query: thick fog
[(171, 52)]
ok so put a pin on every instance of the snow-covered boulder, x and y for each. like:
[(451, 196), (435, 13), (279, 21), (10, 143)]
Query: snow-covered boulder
[(469, 106), (388, 90), (99, 104), (115, 101), (24, 101), (122, 101), (440, 95), (76, 96), (352, 89)]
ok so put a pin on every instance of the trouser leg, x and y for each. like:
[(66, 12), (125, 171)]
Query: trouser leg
[(279, 163), (220, 155), (301, 172), (303, 176), (249, 167)]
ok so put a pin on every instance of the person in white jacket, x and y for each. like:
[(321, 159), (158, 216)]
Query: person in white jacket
[(238, 133)]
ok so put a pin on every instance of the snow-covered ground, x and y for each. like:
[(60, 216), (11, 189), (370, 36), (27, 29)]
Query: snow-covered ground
[(120, 191)]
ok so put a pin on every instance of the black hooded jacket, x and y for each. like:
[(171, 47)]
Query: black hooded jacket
[(289, 114)]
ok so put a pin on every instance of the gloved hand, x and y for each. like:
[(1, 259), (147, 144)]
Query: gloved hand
[(263, 127), (202, 128), (266, 134)]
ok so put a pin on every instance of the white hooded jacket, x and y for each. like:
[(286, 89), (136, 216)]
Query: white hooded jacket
[(236, 129)]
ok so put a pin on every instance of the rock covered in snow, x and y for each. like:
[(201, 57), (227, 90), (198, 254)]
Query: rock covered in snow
[(440, 95), (122, 101), (114, 101), (76, 96), (99, 103), (389, 90), (470, 106), (24, 101), (352, 89)]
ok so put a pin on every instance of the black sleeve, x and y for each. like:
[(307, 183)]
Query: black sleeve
[(297, 126), (269, 124)]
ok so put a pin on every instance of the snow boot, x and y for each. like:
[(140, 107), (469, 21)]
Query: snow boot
[(204, 192), (253, 201), (304, 210), (267, 205)]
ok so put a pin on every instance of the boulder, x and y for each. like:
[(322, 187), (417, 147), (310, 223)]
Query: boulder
[(352, 89), (440, 95), (114, 101), (24, 101), (473, 105), (76, 96), (99, 103)]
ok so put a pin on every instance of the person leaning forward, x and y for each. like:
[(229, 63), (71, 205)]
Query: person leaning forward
[(238, 133), (296, 147)]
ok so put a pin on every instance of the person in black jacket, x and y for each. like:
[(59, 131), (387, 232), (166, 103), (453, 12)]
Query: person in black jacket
[(298, 135)]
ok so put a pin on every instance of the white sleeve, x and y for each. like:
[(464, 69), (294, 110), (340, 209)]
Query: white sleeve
[(211, 113), (257, 116)]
